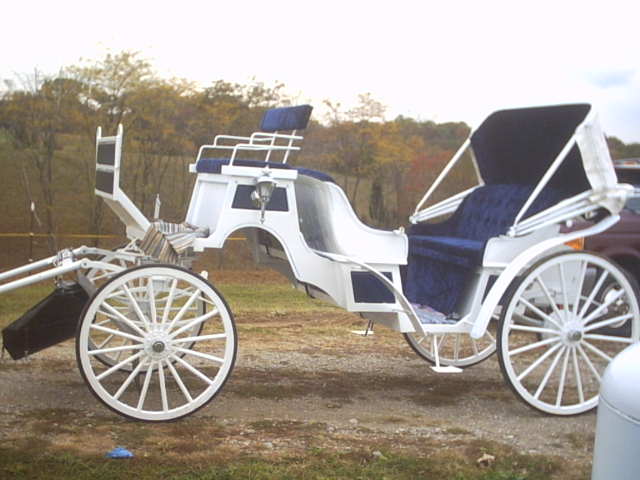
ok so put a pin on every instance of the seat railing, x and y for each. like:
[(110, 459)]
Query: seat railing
[(257, 142)]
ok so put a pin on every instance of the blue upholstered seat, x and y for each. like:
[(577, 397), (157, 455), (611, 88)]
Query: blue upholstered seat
[(442, 256), (214, 165)]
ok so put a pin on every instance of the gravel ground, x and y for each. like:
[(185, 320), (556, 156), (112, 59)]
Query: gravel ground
[(372, 389)]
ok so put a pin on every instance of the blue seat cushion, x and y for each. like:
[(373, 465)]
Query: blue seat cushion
[(214, 165)]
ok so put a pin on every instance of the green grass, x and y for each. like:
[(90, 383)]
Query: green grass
[(270, 298), (317, 464)]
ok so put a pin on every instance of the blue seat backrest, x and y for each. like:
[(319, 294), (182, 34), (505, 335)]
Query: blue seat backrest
[(488, 211), (491, 209), (286, 118)]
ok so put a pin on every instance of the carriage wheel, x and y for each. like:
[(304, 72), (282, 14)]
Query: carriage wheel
[(558, 331), (455, 349), (174, 370)]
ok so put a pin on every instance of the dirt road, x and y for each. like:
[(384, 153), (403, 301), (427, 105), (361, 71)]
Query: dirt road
[(301, 381)]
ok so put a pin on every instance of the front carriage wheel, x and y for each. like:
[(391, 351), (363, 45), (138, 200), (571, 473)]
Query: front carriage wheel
[(174, 357), (558, 331)]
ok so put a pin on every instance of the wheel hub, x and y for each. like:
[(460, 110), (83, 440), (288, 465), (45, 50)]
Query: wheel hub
[(158, 346), (572, 332), (574, 336)]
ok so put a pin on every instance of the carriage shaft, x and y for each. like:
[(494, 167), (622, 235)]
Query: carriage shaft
[(38, 277)]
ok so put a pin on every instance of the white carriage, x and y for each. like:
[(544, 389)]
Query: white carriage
[(156, 341)]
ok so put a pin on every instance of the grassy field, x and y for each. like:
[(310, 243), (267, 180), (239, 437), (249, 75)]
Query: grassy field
[(190, 449)]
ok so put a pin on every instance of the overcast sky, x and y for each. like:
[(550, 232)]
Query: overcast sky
[(444, 60)]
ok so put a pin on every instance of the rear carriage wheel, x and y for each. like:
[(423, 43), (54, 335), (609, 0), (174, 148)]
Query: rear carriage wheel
[(560, 327), (454, 349), (181, 344)]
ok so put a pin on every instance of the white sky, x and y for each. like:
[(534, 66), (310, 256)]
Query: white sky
[(431, 60)]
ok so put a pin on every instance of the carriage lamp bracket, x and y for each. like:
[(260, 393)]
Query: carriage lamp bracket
[(262, 193)]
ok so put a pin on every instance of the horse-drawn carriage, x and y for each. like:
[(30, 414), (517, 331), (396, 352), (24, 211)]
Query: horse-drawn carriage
[(156, 341)]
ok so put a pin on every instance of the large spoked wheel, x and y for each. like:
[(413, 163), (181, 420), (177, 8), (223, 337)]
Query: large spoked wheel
[(454, 349), (176, 357), (559, 330)]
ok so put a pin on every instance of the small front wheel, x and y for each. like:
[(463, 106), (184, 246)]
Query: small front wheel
[(175, 338)]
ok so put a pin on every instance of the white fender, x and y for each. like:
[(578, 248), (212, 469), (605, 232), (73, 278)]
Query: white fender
[(515, 267)]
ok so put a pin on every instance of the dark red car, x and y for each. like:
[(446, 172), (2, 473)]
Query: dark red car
[(622, 241)]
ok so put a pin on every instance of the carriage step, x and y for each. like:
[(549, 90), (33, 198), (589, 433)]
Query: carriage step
[(449, 369), (51, 321)]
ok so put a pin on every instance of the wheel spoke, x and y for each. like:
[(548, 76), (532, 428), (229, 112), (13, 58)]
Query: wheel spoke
[(124, 320), (540, 313), (204, 356), (581, 277), (610, 321), (193, 370), (145, 387), (576, 370), (128, 381), (136, 308), (608, 338), (563, 377), (603, 306), (200, 338), (117, 366), (152, 301), (106, 340), (597, 351), (193, 323), (119, 333), (101, 351), (547, 375), (589, 363), (163, 388), (184, 308), (531, 346), (183, 387), (167, 306), (526, 328), (539, 361), (593, 293), (563, 282), (550, 299)]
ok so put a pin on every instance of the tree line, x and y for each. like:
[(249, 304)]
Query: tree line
[(47, 144)]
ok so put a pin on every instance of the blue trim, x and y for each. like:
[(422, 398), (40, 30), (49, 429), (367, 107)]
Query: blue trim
[(286, 118), (214, 165), (367, 288)]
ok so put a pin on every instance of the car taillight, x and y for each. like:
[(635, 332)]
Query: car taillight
[(578, 243)]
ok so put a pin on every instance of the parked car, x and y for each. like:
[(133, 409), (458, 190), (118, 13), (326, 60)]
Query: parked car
[(621, 242)]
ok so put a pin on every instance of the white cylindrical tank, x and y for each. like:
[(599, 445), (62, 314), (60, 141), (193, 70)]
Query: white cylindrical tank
[(616, 454)]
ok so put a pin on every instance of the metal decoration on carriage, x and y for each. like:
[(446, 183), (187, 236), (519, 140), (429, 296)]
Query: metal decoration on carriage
[(487, 270)]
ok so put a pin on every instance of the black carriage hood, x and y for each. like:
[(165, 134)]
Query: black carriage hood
[(517, 146)]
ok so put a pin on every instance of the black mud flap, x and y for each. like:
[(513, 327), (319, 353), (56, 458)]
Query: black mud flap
[(51, 321)]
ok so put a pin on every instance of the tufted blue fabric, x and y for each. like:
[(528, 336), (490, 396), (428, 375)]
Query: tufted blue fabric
[(214, 165), (442, 255), (286, 118)]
